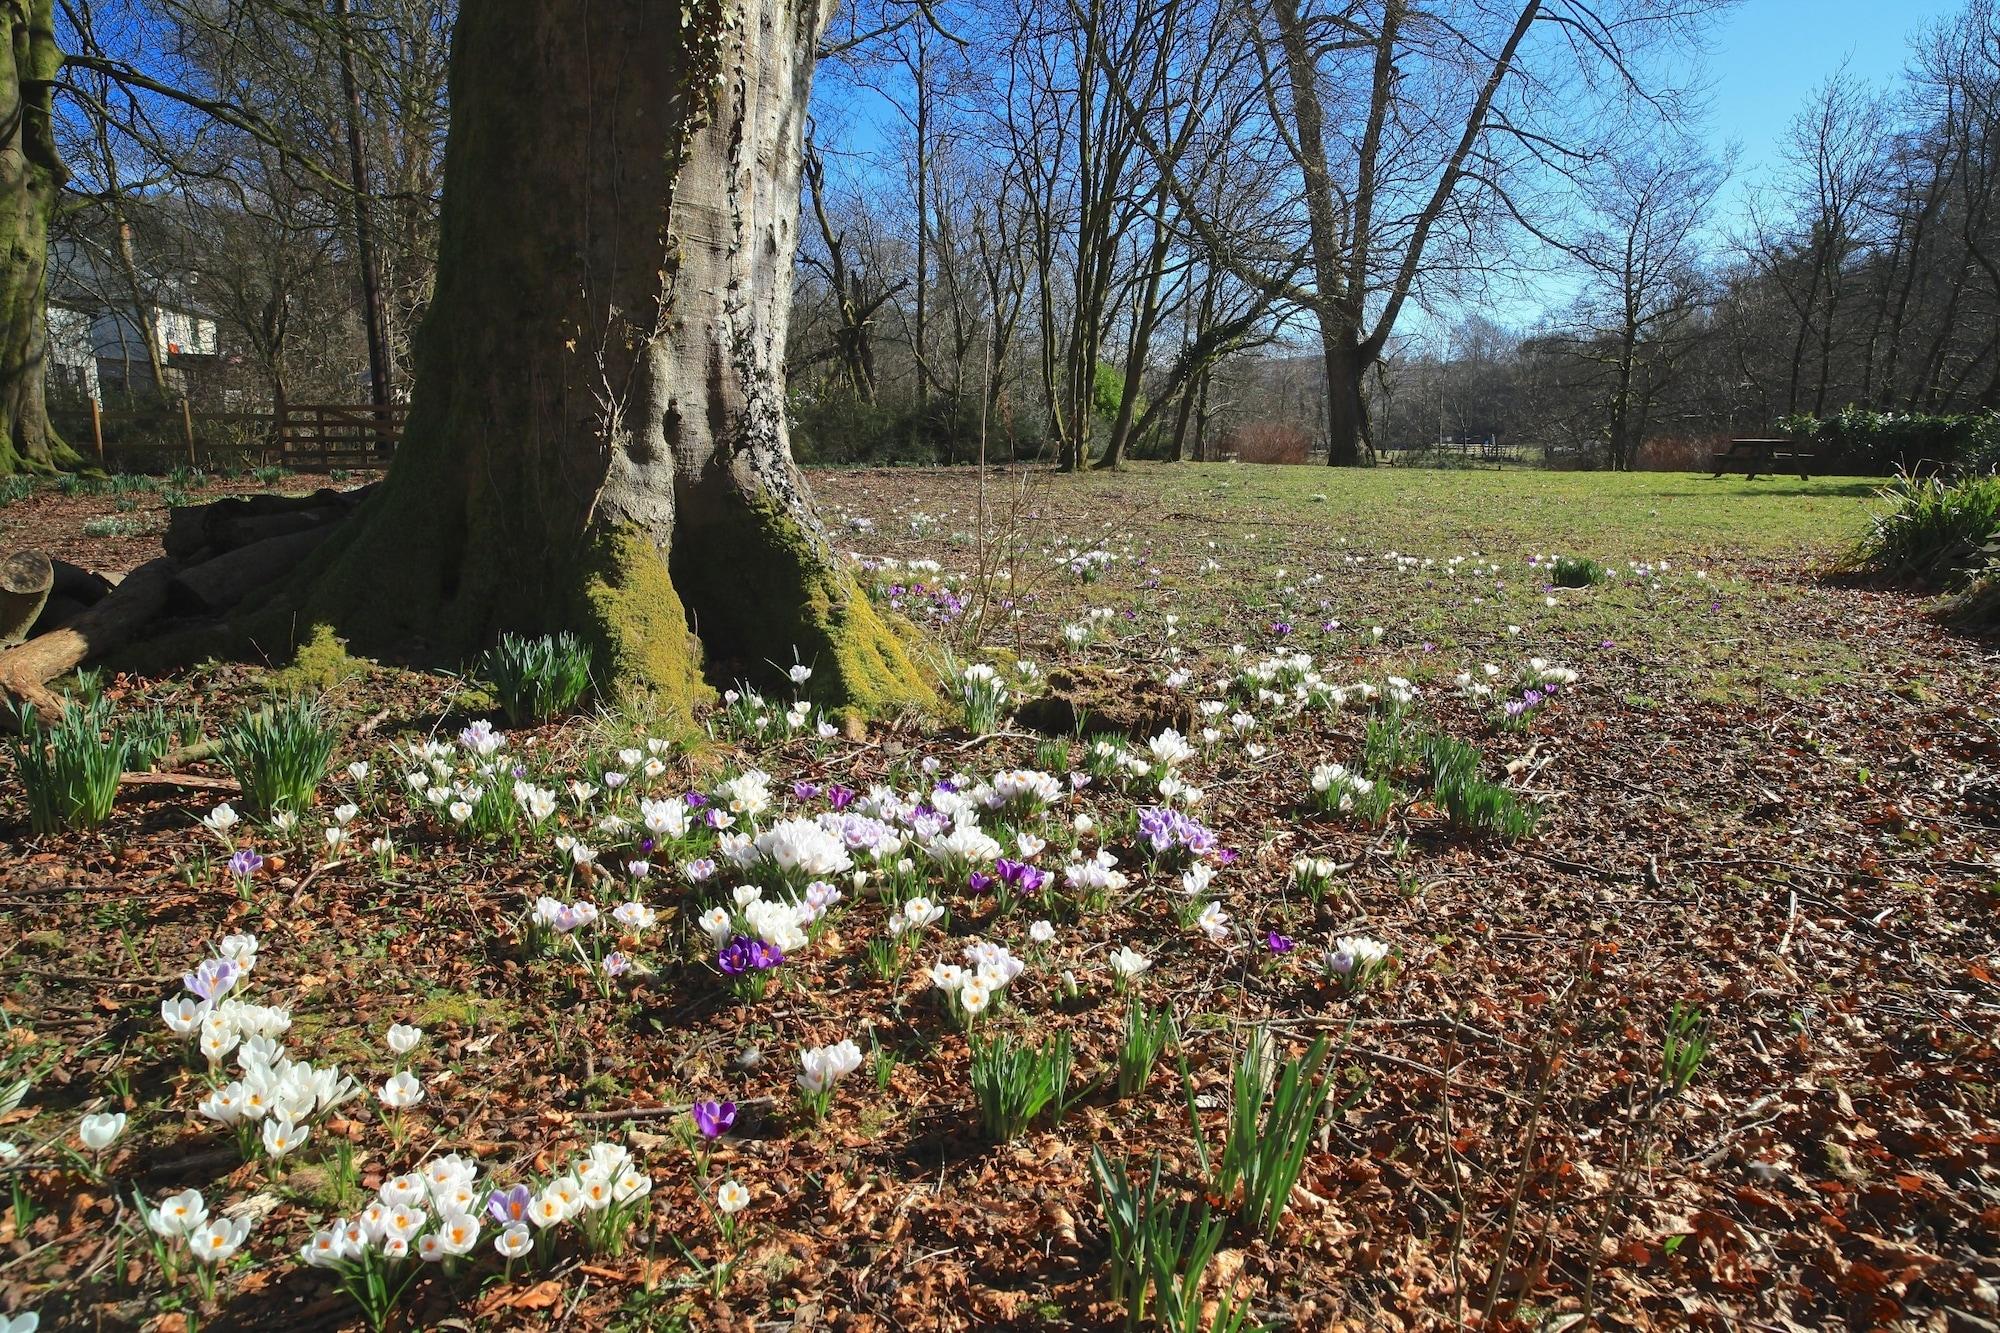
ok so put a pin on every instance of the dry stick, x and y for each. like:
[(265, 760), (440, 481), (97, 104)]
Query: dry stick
[(1530, 1136), (1457, 1187)]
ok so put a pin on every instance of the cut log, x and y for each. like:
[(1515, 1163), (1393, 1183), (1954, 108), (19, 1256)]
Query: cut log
[(221, 582), (26, 670), (25, 580), (198, 532)]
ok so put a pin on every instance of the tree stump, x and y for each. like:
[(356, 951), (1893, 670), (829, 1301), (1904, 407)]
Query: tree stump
[(25, 580)]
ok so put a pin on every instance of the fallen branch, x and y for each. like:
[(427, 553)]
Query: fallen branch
[(178, 781), (26, 670)]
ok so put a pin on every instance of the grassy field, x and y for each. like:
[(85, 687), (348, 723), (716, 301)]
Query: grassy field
[(1755, 807)]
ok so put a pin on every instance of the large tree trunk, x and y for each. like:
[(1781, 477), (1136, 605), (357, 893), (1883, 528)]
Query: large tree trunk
[(1346, 410), (31, 174), (597, 439)]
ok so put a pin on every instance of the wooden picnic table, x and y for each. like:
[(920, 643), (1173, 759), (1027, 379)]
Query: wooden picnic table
[(1766, 456)]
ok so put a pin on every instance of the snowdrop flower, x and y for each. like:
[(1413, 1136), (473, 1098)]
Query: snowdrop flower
[(401, 1092), (100, 1131), (1128, 964), (731, 1198), (213, 1242), (403, 1038)]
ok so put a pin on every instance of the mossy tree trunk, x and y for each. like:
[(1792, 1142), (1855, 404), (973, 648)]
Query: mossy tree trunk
[(31, 175), (597, 437)]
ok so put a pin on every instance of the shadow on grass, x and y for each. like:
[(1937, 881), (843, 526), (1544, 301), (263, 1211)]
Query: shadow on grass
[(1856, 490)]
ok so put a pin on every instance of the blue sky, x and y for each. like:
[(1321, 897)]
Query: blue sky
[(1768, 56)]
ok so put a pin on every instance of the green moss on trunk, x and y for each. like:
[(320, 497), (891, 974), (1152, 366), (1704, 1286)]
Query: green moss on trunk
[(31, 176), (764, 587), (632, 617)]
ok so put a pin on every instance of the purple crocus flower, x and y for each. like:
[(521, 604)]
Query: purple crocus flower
[(743, 954), (509, 1206), (694, 800), (245, 863), (804, 791), (714, 1119), (734, 957), (212, 980), (979, 883), (616, 964), (1019, 876), (1279, 944), (840, 796)]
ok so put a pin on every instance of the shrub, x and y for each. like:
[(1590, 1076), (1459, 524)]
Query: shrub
[(279, 755), (1267, 442), (537, 679), (1859, 440), (1937, 533), (69, 771)]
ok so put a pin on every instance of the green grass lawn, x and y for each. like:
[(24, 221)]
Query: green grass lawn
[(1621, 516)]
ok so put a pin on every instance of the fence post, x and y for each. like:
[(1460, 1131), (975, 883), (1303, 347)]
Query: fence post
[(187, 424), (97, 428)]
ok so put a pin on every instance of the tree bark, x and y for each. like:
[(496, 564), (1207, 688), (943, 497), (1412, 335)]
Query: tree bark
[(597, 439), (31, 176)]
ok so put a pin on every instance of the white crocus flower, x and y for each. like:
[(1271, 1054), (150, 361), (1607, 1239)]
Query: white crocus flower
[(100, 1131), (401, 1092), (1128, 964)]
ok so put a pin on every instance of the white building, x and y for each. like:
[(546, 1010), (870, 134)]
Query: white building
[(98, 332)]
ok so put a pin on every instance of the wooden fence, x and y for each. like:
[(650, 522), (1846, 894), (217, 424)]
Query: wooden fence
[(308, 436)]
